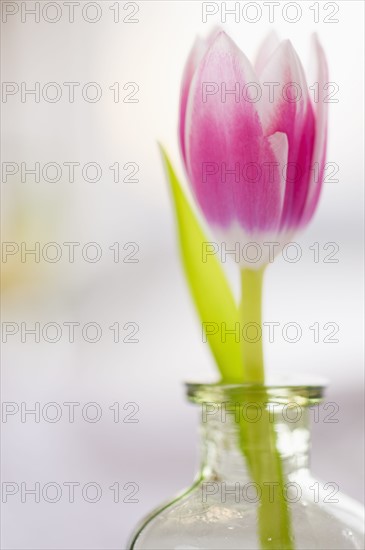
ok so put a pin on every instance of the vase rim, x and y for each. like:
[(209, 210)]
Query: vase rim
[(284, 389)]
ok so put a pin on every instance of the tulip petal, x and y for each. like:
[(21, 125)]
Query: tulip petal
[(197, 52), (280, 147), (290, 111), (227, 154), (320, 140), (194, 56), (266, 49)]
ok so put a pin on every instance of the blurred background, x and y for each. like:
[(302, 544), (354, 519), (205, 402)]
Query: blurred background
[(112, 424)]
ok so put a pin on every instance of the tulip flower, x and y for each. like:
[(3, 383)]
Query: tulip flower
[(253, 140)]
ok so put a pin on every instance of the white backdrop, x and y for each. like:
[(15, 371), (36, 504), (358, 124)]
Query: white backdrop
[(156, 455)]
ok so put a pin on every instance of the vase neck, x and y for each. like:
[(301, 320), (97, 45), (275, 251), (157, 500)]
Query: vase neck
[(231, 433)]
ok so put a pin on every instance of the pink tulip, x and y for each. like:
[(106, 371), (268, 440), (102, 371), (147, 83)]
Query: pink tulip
[(253, 139)]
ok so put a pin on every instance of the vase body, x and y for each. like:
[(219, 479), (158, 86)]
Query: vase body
[(254, 489)]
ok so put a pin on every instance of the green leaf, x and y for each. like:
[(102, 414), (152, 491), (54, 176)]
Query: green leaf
[(208, 284)]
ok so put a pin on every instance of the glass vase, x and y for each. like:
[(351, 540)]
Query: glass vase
[(254, 489)]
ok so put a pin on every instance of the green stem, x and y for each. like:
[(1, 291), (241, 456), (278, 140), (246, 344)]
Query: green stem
[(250, 309), (258, 444), (258, 439)]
